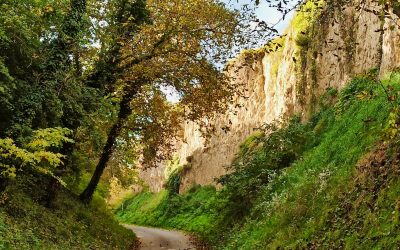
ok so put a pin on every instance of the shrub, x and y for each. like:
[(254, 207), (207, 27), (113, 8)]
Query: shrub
[(39, 153), (262, 156), (174, 182)]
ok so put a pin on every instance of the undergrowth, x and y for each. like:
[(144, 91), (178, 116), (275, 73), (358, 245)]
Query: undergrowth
[(330, 183), (26, 223)]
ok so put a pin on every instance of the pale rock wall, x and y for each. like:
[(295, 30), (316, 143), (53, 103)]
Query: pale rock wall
[(222, 146), (391, 44), (154, 178), (344, 43)]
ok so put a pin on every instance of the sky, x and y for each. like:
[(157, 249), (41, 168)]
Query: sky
[(264, 12)]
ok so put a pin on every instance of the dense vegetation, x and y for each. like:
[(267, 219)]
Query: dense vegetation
[(26, 224), (44, 110), (331, 182), (84, 90), (83, 103)]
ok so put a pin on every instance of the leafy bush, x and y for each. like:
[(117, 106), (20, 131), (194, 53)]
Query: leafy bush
[(37, 153), (261, 158), (174, 182)]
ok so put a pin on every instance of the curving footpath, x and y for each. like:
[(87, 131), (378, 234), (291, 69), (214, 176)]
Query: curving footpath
[(155, 238)]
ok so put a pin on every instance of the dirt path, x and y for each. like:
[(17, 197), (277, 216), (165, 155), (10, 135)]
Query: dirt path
[(154, 238)]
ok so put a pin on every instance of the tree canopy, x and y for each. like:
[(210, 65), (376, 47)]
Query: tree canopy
[(100, 70), (177, 48)]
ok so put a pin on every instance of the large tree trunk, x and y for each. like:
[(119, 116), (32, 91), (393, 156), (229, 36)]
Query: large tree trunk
[(124, 111)]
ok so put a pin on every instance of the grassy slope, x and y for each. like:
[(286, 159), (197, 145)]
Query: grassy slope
[(194, 211), (25, 224), (328, 198)]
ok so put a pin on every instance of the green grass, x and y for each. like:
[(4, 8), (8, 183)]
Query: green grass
[(296, 201), (68, 224), (194, 211), (328, 198)]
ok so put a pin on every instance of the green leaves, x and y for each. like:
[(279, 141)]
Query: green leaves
[(262, 157)]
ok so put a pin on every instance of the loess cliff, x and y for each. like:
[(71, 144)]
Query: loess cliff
[(321, 49)]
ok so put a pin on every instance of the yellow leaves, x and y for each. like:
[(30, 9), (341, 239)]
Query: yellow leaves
[(38, 143), (48, 172), (182, 27), (52, 159), (50, 137), (38, 153), (392, 128), (5, 143), (159, 121), (177, 51), (7, 171), (364, 95), (48, 9)]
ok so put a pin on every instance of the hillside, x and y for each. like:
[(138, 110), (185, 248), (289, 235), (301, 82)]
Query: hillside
[(309, 157), (27, 222), (329, 183)]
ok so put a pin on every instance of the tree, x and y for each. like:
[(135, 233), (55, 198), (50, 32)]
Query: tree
[(179, 49), (40, 86)]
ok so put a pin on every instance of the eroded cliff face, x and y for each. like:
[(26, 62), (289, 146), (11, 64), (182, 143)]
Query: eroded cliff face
[(347, 39)]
